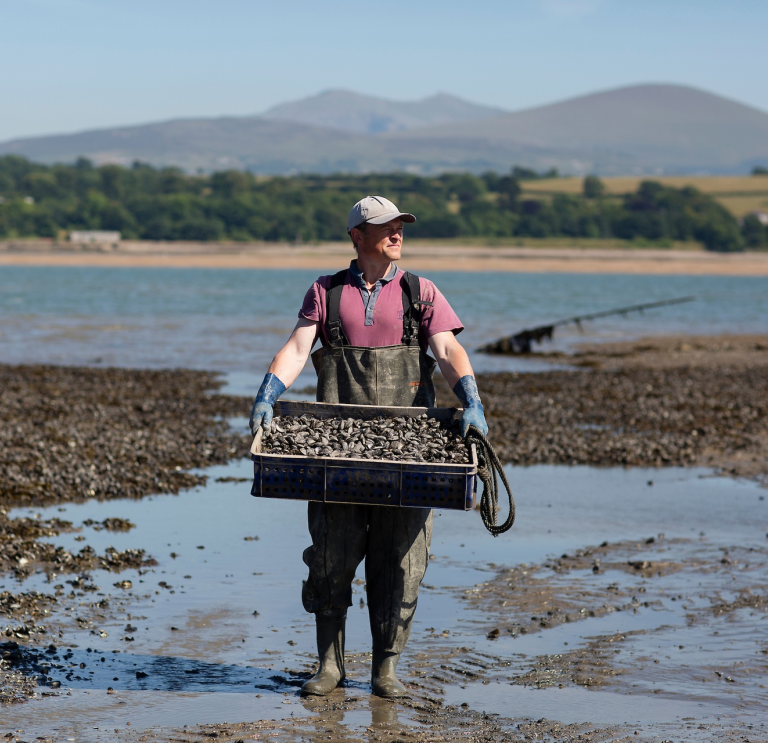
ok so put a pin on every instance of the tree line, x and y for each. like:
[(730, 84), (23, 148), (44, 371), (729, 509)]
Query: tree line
[(143, 202)]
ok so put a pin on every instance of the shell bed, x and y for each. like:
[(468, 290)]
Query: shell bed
[(401, 439)]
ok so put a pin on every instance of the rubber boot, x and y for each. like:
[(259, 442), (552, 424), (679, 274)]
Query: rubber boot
[(384, 682), (330, 650)]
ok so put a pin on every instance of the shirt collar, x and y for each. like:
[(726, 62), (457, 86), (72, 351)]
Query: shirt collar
[(358, 274)]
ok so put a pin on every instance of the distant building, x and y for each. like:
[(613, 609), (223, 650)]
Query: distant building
[(761, 216), (94, 236)]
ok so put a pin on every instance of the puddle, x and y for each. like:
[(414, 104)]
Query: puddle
[(93, 711), (219, 620), (572, 705)]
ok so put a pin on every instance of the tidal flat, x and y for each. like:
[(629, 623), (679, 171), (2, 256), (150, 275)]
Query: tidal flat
[(627, 601)]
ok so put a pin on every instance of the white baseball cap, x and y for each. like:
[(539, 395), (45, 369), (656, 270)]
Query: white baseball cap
[(375, 210)]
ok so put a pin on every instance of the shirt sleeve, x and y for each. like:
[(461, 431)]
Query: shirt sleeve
[(440, 317), (313, 307)]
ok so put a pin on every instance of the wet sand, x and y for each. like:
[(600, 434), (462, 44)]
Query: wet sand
[(623, 600), (417, 257)]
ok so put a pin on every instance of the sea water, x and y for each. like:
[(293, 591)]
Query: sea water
[(234, 320)]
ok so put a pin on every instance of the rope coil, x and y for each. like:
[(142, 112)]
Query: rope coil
[(489, 469)]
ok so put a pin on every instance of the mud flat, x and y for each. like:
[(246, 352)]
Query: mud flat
[(576, 627), (71, 434), (624, 600)]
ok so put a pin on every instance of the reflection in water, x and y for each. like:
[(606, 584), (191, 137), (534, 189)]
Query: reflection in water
[(383, 712), (343, 714)]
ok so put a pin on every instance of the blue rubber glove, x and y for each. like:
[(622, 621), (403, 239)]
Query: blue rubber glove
[(466, 391), (261, 414)]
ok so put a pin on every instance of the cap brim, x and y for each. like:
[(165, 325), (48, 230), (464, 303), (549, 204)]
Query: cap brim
[(384, 218)]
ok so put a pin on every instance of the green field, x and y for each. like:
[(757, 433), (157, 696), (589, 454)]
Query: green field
[(740, 195), (583, 243)]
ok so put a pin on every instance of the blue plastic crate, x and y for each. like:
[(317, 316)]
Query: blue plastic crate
[(369, 481)]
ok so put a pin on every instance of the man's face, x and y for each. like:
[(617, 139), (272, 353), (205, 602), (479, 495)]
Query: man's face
[(380, 241)]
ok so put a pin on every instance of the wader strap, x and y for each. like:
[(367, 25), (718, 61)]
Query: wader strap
[(333, 328), (412, 308)]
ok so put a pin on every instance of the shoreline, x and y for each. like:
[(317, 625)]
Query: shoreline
[(417, 257)]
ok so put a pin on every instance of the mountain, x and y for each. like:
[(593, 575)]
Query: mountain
[(352, 112), (653, 129), (642, 128)]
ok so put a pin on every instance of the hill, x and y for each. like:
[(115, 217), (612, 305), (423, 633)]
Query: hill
[(352, 112), (643, 129), (261, 145)]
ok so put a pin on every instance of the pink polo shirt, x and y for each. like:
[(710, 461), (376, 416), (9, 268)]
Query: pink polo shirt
[(387, 328)]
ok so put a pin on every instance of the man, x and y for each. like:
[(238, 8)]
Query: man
[(375, 323)]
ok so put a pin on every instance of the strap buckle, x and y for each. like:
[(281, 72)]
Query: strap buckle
[(335, 333), (410, 331)]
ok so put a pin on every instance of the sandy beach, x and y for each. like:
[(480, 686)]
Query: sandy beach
[(417, 257)]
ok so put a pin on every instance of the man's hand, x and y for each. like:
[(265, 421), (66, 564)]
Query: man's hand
[(466, 390), (473, 417), (261, 414)]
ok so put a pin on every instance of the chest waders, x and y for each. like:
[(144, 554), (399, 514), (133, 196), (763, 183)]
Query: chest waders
[(393, 541), (384, 375)]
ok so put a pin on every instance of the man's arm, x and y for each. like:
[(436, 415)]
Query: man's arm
[(455, 366), (451, 357), (290, 359), (283, 370)]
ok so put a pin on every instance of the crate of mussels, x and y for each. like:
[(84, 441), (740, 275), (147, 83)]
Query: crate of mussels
[(389, 456)]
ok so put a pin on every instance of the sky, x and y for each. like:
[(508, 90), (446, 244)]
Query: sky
[(72, 65)]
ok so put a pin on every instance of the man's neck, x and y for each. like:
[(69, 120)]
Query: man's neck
[(373, 271)]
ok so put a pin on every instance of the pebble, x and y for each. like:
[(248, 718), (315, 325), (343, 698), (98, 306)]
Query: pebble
[(401, 439)]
